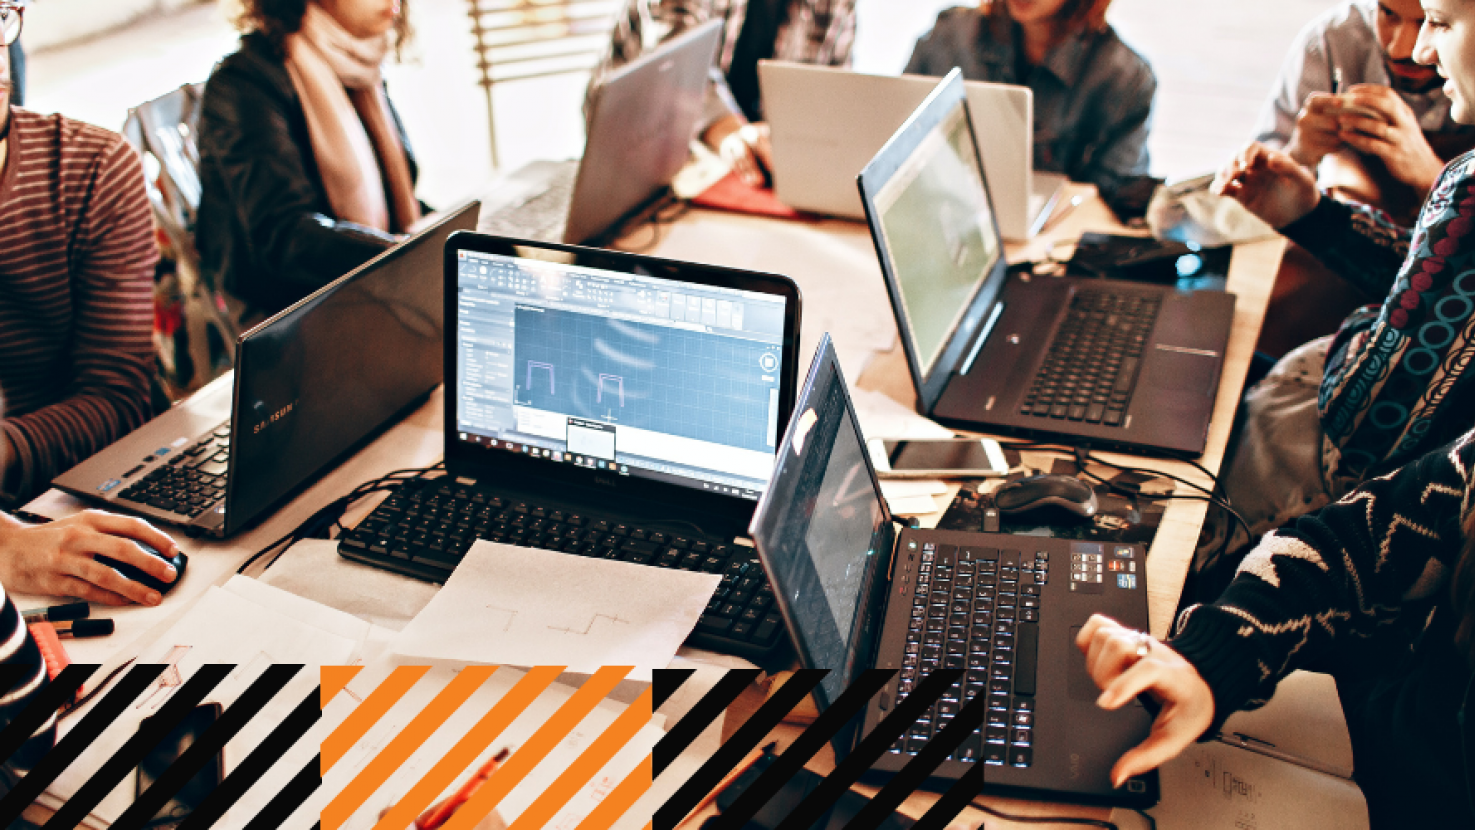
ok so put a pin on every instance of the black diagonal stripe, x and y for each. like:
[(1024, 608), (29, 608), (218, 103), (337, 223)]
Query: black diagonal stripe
[(255, 765), (51, 698), (102, 715), (915, 773), (735, 748), (12, 675), (207, 747), (823, 798), (851, 703), (941, 814), (711, 707), (150, 732), (302, 785), (667, 681)]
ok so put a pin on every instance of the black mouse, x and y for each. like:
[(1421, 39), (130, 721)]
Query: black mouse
[(1031, 492), (178, 560)]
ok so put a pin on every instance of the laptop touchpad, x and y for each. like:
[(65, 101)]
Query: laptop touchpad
[(1188, 371), (1078, 681)]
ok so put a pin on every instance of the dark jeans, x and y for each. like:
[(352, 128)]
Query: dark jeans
[(17, 75)]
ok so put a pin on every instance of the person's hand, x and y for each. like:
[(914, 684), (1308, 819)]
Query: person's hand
[(747, 148), (1318, 131), (1390, 131), (1126, 663), (55, 559), (1270, 184)]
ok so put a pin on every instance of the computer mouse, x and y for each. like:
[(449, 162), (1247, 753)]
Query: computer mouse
[(1032, 492), (178, 560)]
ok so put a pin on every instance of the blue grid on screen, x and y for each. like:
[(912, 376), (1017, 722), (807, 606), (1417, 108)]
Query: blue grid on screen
[(692, 384)]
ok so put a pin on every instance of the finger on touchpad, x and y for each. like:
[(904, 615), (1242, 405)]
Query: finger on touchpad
[(1078, 681)]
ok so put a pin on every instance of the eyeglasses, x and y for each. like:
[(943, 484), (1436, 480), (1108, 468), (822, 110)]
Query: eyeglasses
[(11, 14)]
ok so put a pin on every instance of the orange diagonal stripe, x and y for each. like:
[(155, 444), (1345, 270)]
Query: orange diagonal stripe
[(620, 799), (590, 762), (399, 750), (332, 679), (368, 713), (530, 754), (468, 749)]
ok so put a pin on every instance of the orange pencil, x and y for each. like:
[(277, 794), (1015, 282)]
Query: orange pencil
[(438, 815)]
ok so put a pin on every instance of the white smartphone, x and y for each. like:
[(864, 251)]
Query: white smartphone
[(934, 458)]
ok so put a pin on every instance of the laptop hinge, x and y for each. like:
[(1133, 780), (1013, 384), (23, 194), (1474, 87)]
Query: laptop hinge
[(988, 327)]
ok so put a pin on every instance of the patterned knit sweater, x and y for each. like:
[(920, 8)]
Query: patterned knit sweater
[(1357, 588), (1396, 384)]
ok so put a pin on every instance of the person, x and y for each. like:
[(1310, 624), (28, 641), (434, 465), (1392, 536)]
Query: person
[(13, 48), (1377, 589), (805, 31), (1359, 54), (1093, 95), (77, 256), (305, 169)]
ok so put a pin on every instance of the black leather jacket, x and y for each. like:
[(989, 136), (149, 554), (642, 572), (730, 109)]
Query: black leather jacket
[(265, 230)]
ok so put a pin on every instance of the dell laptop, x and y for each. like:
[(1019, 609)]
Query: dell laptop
[(311, 384), (640, 126), (607, 405), (828, 123), (1093, 362), (856, 592)]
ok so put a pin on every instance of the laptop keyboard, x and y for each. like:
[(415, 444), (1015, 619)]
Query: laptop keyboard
[(977, 609), (542, 217), (191, 482), (1091, 368), (433, 524)]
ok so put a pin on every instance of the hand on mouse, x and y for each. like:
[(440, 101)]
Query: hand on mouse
[(55, 559), (1115, 661)]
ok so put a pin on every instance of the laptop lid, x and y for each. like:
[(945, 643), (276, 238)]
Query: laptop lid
[(932, 221), (823, 532), (640, 130), (617, 378), (316, 379)]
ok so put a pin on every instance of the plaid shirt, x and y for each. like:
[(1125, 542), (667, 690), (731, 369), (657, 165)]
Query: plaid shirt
[(816, 31)]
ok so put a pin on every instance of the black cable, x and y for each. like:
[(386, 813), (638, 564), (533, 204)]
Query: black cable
[(1083, 822)]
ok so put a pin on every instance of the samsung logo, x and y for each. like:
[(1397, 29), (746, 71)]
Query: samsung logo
[(273, 417)]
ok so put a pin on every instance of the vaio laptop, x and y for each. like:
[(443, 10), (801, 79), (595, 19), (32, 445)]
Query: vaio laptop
[(858, 593), (310, 385), (828, 123), (640, 128), (1100, 363), (610, 405)]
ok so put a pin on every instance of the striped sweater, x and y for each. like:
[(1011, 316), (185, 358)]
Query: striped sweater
[(77, 256), (1396, 384)]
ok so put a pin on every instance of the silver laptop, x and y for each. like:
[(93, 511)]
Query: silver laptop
[(829, 123), (641, 124)]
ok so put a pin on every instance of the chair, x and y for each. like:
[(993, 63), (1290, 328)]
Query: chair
[(194, 334), (522, 39)]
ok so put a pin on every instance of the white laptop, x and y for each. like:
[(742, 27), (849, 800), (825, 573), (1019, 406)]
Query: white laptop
[(829, 123)]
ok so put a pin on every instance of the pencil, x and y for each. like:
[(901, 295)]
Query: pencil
[(436, 816)]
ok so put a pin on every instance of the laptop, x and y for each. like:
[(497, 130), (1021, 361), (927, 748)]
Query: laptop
[(640, 126), (608, 405), (857, 592), (828, 123), (310, 385), (1093, 362)]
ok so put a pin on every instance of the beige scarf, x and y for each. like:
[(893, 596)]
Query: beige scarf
[(353, 136)]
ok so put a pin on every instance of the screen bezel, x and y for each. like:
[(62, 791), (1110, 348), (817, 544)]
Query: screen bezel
[(498, 466), (949, 95)]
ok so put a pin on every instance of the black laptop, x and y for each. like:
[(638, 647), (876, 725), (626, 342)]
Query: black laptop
[(606, 405), (1105, 364), (311, 384), (856, 592)]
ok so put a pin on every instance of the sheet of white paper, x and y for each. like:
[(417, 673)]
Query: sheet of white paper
[(882, 417), (1303, 722), (313, 569), (912, 505), (297, 608), (505, 605)]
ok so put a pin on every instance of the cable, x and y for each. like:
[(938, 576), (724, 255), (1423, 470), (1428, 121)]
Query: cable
[(666, 215), (1083, 822)]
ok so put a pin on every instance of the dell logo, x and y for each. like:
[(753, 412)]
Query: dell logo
[(605, 482)]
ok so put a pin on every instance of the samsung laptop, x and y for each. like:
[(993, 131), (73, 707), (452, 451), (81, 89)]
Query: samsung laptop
[(310, 384), (1097, 363), (828, 124), (640, 126), (857, 592), (608, 405)]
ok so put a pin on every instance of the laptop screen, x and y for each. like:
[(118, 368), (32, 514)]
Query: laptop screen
[(628, 373), (823, 530), (939, 232)]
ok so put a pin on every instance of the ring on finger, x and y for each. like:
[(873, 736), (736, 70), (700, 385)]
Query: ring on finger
[(1144, 645)]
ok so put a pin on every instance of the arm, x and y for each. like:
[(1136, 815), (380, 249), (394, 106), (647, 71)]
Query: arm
[(1306, 69), (112, 357), (246, 134), (1360, 243)]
